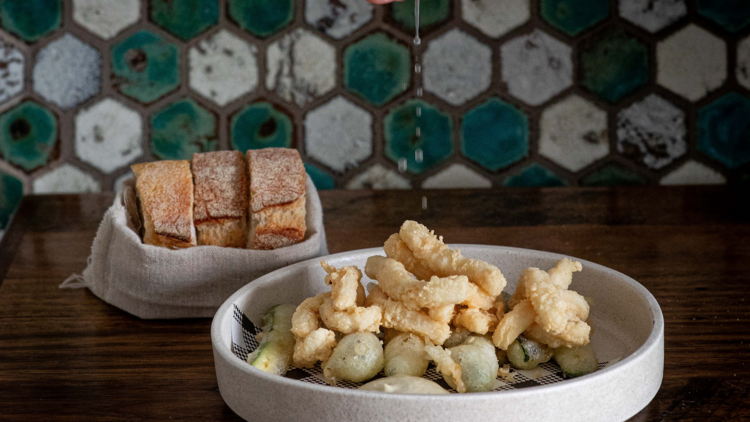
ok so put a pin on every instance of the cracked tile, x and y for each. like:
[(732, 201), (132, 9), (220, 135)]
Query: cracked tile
[(108, 135), (338, 134), (614, 65), (652, 15), (495, 134), (495, 21), (260, 125), (28, 133), (16, 17), (723, 128), (12, 63), (431, 13), (337, 18), (106, 18), (378, 177), (67, 72), (377, 68), (457, 176), (693, 173), (182, 128), (145, 66), (66, 179)]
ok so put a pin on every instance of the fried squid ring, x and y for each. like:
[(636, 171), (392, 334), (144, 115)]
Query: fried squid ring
[(346, 290), (537, 333), (442, 313), (317, 346), (355, 320), (475, 320), (558, 311), (401, 318), (306, 317), (478, 298), (513, 324), (395, 248)]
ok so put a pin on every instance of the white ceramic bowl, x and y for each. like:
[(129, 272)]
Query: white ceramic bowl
[(627, 321)]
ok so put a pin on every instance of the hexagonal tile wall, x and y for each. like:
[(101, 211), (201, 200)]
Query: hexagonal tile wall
[(67, 72), (495, 134), (108, 135), (457, 176), (66, 179), (495, 21), (536, 67), (613, 175), (743, 63), (337, 19), (377, 68), (731, 15), (535, 175), (181, 129), (574, 16), (11, 191), (457, 67), (723, 128), (651, 132), (28, 133), (185, 19), (573, 133), (338, 134), (614, 65), (693, 173), (12, 64), (262, 18), (223, 67), (145, 66), (431, 13), (300, 67), (692, 62), (321, 179), (652, 15), (260, 125), (420, 139), (31, 20), (106, 18), (378, 177)]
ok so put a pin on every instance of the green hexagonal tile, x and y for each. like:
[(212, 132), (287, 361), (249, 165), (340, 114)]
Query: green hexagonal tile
[(322, 180), (181, 129), (262, 17), (495, 134), (723, 128), (11, 192), (185, 18), (434, 139), (28, 133), (613, 175), (574, 16), (31, 19), (732, 15), (377, 68), (535, 175), (260, 125), (145, 66), (431, 12), (615, 65)]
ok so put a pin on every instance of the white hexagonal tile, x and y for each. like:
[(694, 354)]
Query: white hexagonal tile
[(536, 67), (652, 131), (743, 63), (12, 64), (692, 62), (66, 179), (693, 173), (108, 135), (338, 134), (300, 67), (106, 18), (457, 67), (492, 19), (223, 67), (457, 176), (652, 15), (378, 177), (67, 71), (338, 18), (573, 133)]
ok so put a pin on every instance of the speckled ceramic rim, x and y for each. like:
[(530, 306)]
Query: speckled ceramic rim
[(645, 351)]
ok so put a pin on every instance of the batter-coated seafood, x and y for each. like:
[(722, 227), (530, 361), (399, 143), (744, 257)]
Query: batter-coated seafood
[(354, 320), (446, 366), (513, 324), (395, 248), (442, 313), (537, 333), (346, 290), (317, 346), (478, 298), (306, 317), (475, 320)]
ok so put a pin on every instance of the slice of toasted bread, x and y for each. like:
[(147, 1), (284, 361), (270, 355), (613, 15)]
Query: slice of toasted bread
[(165, 197), (221, 198)]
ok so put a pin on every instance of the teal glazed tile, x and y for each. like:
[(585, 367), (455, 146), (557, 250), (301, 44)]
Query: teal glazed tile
[(145, 66), (495, 134), (185, 18), (181, 129), (615, 66), (262, 17), (613, 175), (260, 125), (732, 15), (11, 192), (723, 128), (535, 175), (320, 178), (574, 16), (28, 133), (431, 12), (31, 19), (421, 149), (377, 68)]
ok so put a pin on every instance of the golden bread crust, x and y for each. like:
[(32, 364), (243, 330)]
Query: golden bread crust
[(277, 176)]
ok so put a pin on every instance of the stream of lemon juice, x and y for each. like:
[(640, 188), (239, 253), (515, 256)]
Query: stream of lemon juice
[(418, 154)]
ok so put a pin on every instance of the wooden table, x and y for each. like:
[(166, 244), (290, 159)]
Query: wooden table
[(65, 355)]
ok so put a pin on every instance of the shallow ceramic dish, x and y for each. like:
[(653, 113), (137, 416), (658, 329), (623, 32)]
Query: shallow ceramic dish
[(627, 321)]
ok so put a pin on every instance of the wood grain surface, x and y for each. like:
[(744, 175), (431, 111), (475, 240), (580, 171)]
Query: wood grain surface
[(67, 356)]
